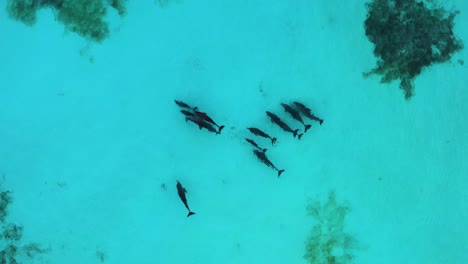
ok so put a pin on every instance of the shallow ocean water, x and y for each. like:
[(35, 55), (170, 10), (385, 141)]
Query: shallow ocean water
[(92, 144)]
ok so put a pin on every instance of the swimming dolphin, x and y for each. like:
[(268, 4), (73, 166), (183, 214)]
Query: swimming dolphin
[(184, 105), (263, 158), (208, 119), (260, 133), (201, 123), (307, 112), (275, 119), (187, 113), (255, 144), (295, 115), (182, 191)]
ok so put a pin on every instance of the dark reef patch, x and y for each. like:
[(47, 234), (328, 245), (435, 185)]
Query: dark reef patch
[(328, 241), (84, 17), (12, 247), (408, 36)]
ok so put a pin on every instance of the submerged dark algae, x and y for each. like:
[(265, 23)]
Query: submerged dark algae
[(5, 200), (409, 36), (84, 17), (12, 248), (328, 241)]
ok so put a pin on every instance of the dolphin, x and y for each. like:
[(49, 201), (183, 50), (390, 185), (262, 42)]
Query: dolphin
[(275, 119), (294, 114), (255, 144), (185, 105), (307, 112), (187, 113), (260, 133), (201, 123), (182, 191), (263, 158), (208, 119)]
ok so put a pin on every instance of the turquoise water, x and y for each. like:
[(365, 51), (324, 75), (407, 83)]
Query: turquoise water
[(92, 144)]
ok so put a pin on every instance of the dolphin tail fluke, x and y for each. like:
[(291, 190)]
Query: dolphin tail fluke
[(295, 132), (307, 127), (321, 121), (273, 141), (220, 128), (190, 213), (279, 172), (300, 135), (264, 150)]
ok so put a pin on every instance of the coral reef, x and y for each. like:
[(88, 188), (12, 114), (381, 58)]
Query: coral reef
[(409, 36), (84, 17), (11, 247), (328, 243)]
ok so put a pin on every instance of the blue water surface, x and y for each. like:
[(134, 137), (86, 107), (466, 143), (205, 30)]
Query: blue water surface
[(92, 144)]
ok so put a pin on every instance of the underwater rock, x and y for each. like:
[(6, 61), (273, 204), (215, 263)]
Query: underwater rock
[(84, 17), (328, 242), (408, 36)]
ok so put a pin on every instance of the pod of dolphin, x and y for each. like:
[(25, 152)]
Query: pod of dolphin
[(296, 110)]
